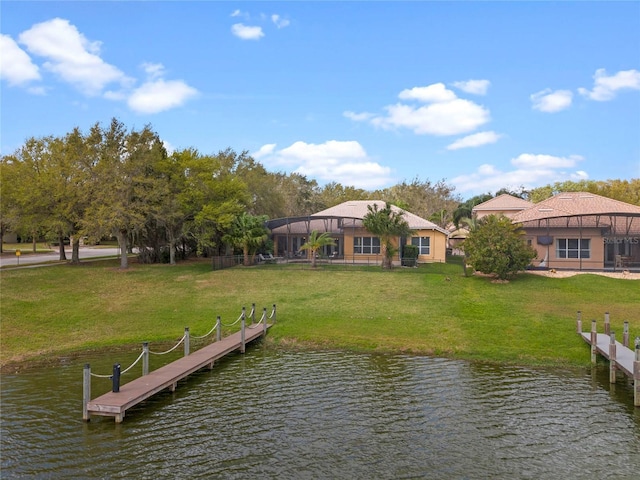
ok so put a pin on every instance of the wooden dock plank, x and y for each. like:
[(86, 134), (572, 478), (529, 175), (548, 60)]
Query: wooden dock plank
[(130, 394), (624, 355)]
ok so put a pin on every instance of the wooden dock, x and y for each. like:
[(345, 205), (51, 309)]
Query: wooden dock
[(621, 358), (115, 404)]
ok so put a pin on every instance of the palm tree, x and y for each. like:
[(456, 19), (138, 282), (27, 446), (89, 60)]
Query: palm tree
[(386, 224), (316, 242), (247, 232)]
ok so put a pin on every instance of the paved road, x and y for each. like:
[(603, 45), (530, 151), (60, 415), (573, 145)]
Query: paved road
[(52, 257)]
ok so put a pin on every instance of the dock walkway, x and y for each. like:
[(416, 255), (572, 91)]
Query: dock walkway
[(620, 356), (624, 356), (115, 404)]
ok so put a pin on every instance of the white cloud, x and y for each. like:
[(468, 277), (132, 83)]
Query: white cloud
[(528, 160), (16, 66), (246, 32), (444, 114), (474, 140), (159, 95), (358, 117), (279, 21), (531, 170), (153, 70), (605, 87), (345, 162), (476, 87), (264, 150), (429, 94), (236, 13), (550, 101), (71, 56), (446, 118)]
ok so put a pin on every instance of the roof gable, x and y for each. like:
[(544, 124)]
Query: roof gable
[(503, 202), (359, 209)]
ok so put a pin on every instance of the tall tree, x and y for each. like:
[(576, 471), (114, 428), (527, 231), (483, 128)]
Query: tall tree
[(333, 194), (421, 197), (125, 190), (265, 196), (33, 192), (216, 196), (386, 224), (9, 206)]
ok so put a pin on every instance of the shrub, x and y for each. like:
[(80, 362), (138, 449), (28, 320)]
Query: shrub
[(497, 247)]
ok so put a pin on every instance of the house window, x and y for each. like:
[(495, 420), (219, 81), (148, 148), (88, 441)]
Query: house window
[(366, 245), (573, 248), (423, 244)]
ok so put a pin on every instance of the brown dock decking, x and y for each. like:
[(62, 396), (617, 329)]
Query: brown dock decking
[(620, 357), (115, 404)]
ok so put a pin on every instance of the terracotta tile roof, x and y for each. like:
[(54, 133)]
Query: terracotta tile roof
[(503, 202), (358, 209), (575, 204)]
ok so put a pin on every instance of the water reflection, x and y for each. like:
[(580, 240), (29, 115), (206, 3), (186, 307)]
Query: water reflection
[(329, 415)]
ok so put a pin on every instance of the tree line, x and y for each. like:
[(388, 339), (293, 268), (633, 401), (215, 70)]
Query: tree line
[(117, 182)]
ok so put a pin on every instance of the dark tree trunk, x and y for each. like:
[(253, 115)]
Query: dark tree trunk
[(63, 254), (75, 251), (122, 243)]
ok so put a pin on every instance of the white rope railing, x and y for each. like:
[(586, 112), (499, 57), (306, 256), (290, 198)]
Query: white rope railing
[(232, 324), (206, 334), (263, 318), (273, 312), (123, 371), (132, 365), (171, 349)]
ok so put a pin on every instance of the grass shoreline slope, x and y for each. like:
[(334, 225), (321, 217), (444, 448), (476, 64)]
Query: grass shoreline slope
[(431, 310)]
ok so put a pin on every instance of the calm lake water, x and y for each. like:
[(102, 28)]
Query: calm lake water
[(334, 415)]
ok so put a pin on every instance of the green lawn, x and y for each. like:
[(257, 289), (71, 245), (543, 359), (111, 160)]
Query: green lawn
[(432, 310)]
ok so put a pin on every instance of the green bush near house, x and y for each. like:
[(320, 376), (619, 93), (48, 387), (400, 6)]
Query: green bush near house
[(430, 310), (409, 255)]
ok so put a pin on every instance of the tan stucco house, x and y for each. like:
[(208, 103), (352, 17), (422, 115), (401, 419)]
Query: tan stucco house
[(576, 230), (353, 243)]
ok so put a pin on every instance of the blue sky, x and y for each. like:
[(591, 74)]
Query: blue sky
[(484, 95)]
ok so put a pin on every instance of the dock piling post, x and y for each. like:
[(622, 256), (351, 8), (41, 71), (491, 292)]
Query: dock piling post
[(594, 342), (273, 313), (86, 392), (186, 341), (607, 324), (264, 322), (218, 329), (253, 313), (145, 358), (636, 375), (115, 378), (625, 334), (579, 322), (242, 335), (612, 358)]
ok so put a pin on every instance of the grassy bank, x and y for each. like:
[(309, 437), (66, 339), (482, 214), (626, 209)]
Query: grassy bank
[(433, 310)]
